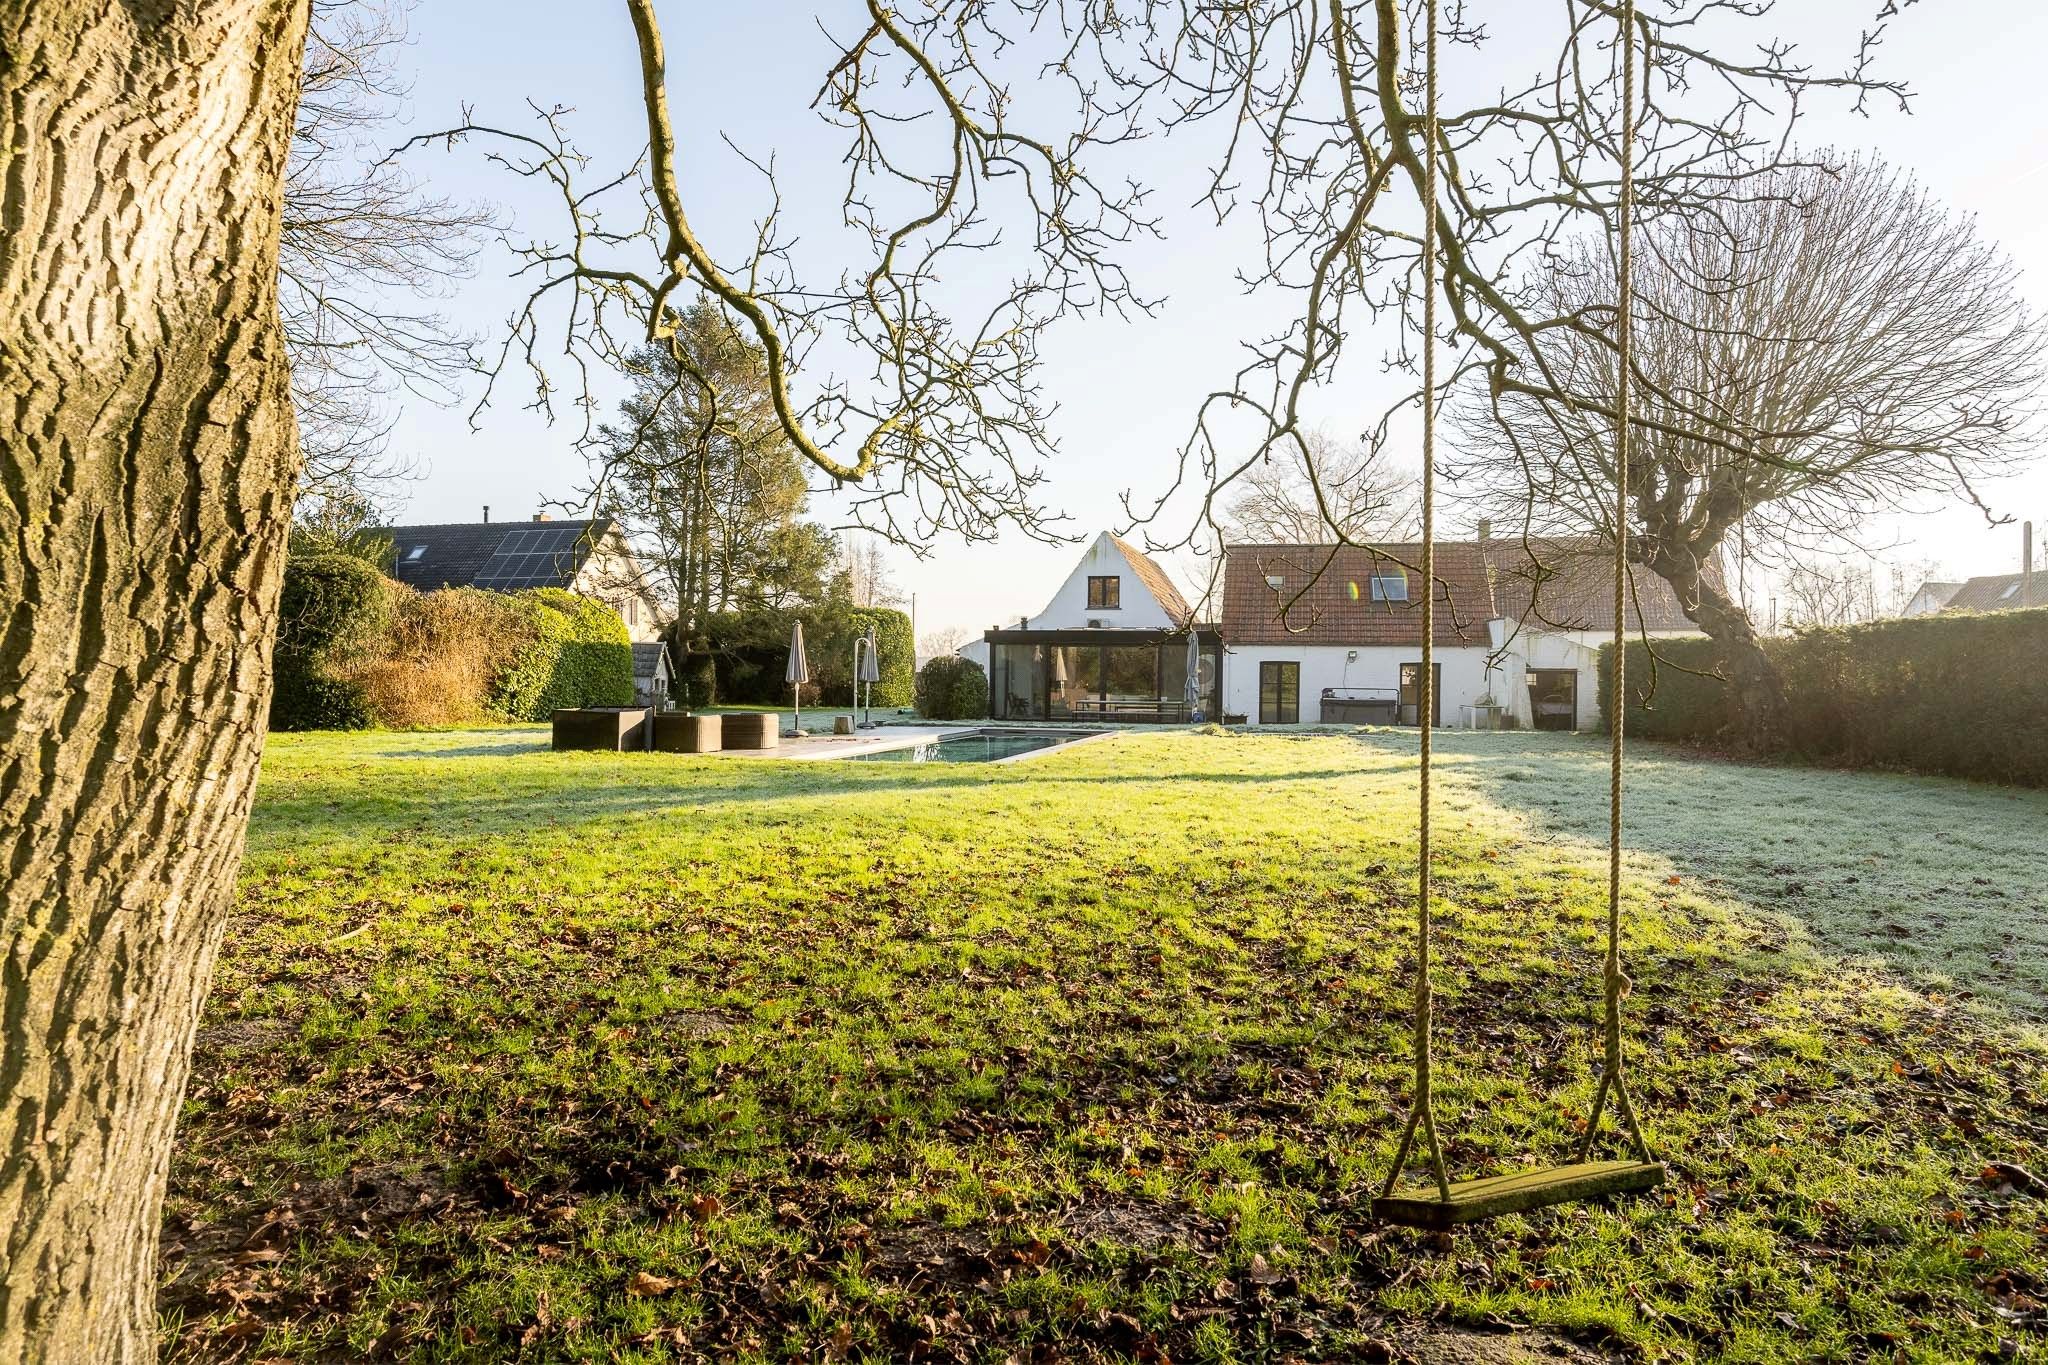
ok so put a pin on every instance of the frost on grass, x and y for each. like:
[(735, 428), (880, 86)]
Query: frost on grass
[(1941, 882)]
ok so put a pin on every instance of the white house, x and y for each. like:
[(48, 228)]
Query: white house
[(1933, 595), (1553, 610), (1111, 644), (1321, 634), (588, 557)]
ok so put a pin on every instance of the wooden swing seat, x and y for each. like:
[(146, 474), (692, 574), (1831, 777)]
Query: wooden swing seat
[(1493, 1195)]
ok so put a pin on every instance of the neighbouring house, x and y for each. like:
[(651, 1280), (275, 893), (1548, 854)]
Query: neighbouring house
[(1321, 634), (590, 557), (653, 674), (1997, 592), (1112, 644), (1933, 595)]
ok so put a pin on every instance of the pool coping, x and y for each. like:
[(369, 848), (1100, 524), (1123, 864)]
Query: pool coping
[(895, 745)]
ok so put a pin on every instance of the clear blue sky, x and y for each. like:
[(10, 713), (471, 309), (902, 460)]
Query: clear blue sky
[(1125, 391)]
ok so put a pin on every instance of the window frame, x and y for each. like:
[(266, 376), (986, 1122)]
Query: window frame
[(1436, 693), (1383, 576), (1110, 600), (1281, 704)]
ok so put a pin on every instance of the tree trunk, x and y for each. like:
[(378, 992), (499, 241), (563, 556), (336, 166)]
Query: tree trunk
[(1759, 692), (148, 458)]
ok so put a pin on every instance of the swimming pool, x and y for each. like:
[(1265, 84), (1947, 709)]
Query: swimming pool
[(979, 746)]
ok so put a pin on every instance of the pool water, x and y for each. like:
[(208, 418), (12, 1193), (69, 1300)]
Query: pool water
[(985, 746)]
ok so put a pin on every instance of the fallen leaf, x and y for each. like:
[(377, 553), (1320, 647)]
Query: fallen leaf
[(646, 1286)]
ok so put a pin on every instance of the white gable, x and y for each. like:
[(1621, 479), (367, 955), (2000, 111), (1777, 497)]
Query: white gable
[(1136, 609)]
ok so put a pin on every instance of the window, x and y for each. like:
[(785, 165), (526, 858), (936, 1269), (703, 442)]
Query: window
[(1279, 693), (632, 612), (1104, 590), (415, 553), (1409, 710), (2008, 592), (1390, 586)]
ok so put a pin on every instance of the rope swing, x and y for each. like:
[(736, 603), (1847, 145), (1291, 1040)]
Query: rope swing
[(1453, 1202)]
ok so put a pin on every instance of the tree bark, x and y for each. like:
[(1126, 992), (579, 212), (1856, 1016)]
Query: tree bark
[(147, 462), (1759, 691)]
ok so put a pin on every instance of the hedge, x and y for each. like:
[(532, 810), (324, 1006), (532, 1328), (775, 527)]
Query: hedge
[(751, 650), (567, 650), (952, 688), (828, 641), (331, 610), (1963, 695)]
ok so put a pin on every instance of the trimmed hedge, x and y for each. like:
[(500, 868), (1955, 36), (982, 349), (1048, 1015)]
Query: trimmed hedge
[(751, 651), (331, 610), (952, 688), (1963, 695), (1687, 700), (828, 641), (567, 650)]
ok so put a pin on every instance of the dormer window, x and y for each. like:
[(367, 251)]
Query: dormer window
[(1390, 587), (1105, 592), (416, 552)]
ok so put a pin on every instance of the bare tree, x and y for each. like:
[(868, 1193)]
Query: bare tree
[(1364, 496), (1828, 592), (362, 245), (152, 460), (1834, 344), (944, 640), (866, 566), (1846, 587)]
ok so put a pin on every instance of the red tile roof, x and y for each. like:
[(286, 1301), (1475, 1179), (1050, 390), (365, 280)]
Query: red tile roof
[(1323, 595), (1568, 584)]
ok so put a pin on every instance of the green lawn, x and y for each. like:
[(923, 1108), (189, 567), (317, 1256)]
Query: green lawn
[(1097, 1056)]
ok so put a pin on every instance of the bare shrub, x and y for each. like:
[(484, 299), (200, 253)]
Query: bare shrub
[(440, 660)]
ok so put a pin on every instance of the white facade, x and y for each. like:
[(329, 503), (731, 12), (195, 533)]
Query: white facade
[(1462, 668), (1472, 675), (614, 576), (1137, 608)]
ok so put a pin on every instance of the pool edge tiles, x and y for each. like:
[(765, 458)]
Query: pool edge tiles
[(985, 745)]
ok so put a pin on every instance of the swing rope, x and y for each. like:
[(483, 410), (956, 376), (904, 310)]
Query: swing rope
[(1422, 1110), (1612, 1078), (1421, 1113)]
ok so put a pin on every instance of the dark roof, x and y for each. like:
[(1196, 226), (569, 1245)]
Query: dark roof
[(647, 658), (1998, 592), (1568, 584), (1337, 607), (1154, 578), (501, 555)]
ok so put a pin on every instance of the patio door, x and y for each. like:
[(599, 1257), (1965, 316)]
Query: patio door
[(1410, 712), (1279, 692), (1554, 698)]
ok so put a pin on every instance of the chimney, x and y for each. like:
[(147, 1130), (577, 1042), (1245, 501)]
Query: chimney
[(1485, 528), (542, 516), (487, 514)]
